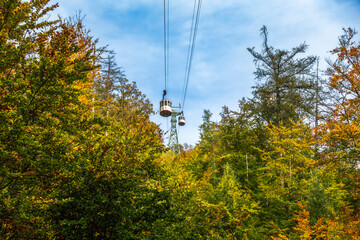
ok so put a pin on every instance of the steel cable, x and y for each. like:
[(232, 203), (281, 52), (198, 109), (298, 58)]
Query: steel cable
[(193, 35)]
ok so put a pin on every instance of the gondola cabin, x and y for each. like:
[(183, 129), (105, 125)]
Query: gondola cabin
[(165, 108), (181, 120)]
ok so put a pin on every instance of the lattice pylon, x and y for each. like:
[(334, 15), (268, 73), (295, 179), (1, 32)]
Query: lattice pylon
[(173, 139)]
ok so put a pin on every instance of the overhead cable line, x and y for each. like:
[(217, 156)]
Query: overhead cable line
[(193, 33), (189, 49), (166, 42), (165, 103)]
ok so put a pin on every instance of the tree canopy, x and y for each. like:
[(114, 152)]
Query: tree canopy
[(81, 159)]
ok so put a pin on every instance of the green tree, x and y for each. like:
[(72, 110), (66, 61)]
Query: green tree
[(285, 90), (61, 177), (113, 194), (240, 133), (44, 77), (284, 179), (201, 208), (325, 197), (111, 77), (207, 129)]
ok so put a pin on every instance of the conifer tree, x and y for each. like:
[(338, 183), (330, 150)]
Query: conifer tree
[(285, 89)]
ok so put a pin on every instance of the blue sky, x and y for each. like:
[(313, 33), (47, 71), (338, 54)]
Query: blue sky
[(222, 70)]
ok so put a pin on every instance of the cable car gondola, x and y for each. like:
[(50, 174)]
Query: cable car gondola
[(181, 120), (165, 108)]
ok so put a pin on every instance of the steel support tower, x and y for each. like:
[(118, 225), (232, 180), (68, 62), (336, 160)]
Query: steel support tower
[(173, 139)]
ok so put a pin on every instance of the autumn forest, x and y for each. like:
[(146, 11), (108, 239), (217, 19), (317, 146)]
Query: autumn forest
[(81, 159)]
